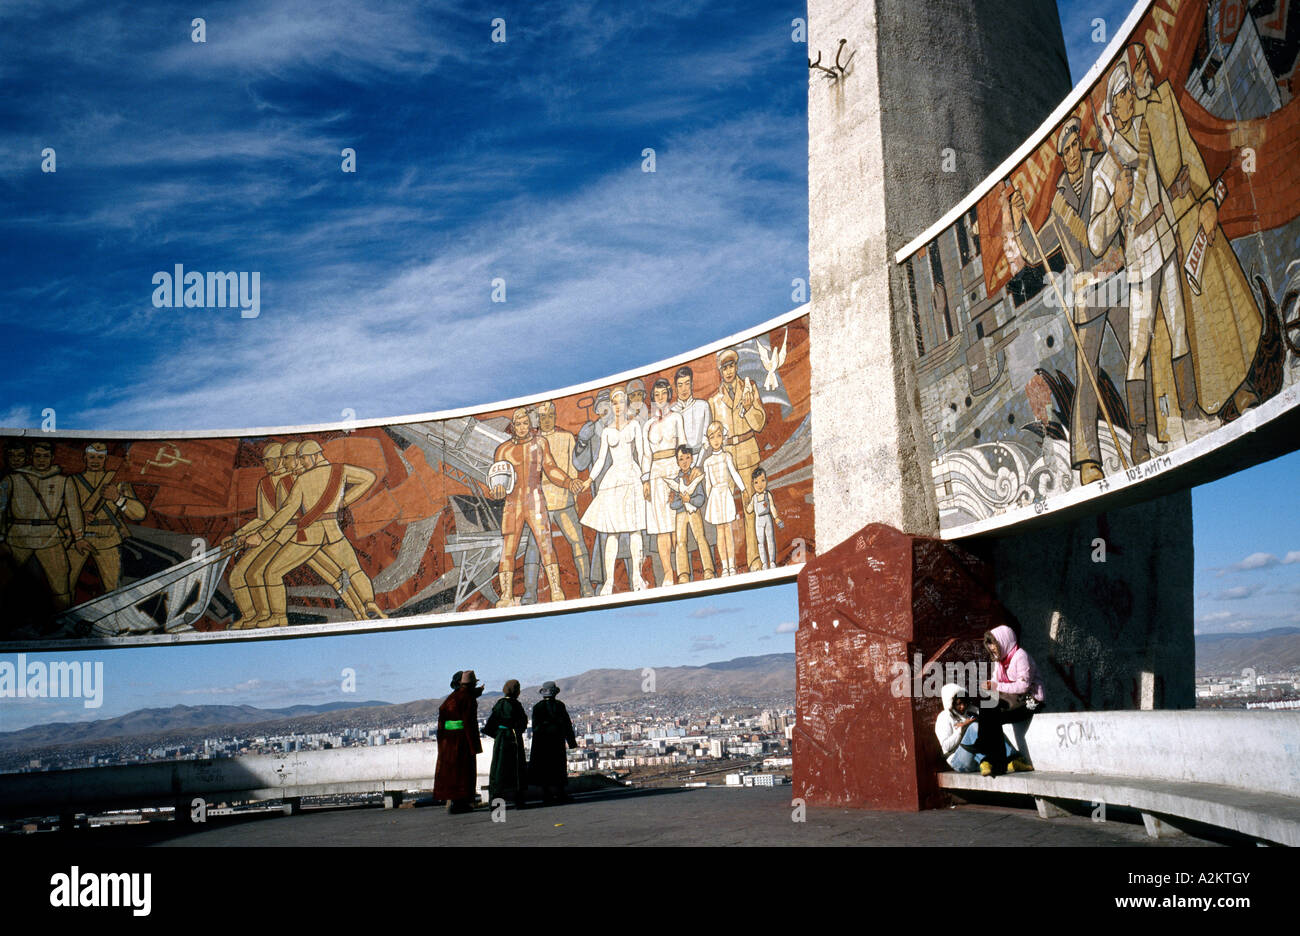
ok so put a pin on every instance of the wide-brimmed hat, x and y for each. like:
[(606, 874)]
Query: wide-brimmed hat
[(549, 689)]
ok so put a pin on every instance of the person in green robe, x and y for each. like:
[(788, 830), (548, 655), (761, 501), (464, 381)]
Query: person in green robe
[(508, 778), (552, 729)]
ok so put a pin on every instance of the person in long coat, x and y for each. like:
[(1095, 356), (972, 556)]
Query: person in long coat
[(552, 729), (455, 775), (508, 778)]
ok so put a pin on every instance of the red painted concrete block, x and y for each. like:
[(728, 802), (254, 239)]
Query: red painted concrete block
[(876, 614)]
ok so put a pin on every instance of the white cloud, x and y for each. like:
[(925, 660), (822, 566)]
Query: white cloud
[(702, 642), (18, 417), (787, 627), (248, 685), (1258, 560), (709, 611), (362, 296), (1237, 593)]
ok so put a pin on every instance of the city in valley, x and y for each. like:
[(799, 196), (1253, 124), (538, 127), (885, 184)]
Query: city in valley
[(661, 738)]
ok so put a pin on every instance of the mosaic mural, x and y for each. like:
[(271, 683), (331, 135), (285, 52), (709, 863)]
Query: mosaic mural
[(699, 470), (1131, 285)]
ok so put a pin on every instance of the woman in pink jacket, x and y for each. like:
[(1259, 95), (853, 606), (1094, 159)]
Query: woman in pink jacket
[(1020, 691)]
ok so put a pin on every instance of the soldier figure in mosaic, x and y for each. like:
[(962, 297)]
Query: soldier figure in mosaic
[(107, 505), (43, 520), (312, 505), (738, 408)]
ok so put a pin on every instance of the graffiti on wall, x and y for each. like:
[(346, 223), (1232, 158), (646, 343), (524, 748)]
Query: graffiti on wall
[(1131, 285), (698, 470)]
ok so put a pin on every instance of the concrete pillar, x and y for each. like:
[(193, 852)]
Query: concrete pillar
[(879, 616), (392, 799), (292, 806), (1158, 828), (1047, 809), (976, 78), (933, 97)]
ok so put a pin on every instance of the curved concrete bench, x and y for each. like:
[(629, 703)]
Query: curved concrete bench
[(1232, 770)]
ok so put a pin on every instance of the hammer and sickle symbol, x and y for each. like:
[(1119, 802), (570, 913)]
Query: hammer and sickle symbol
[(167, 456)]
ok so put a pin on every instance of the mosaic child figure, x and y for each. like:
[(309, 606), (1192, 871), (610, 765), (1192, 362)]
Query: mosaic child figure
[(763, 508), (720, 509)]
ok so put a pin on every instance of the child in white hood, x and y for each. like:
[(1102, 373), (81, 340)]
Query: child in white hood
[(957, 731)]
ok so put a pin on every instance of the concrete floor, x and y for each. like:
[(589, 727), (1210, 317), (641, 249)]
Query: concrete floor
[(674, 817)]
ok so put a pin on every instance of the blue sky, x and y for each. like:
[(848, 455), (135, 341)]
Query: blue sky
[(475, 160)]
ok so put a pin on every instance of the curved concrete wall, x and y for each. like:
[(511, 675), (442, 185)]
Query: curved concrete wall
[(218, 535), (389, 767)]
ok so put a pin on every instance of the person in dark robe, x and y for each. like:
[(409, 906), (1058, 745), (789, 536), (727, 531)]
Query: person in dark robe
[(508, 778), (552, 729), (455, 775)]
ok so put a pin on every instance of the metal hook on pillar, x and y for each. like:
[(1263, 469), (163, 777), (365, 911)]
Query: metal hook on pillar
[(837, 71)]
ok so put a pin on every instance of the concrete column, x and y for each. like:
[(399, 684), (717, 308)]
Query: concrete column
[(976, 78), (877, 615), (1047, 809), (933, 98)]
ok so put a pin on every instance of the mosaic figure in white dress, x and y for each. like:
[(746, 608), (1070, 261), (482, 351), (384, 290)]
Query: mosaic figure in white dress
[(720, 509), (619, 506), (664, 431)]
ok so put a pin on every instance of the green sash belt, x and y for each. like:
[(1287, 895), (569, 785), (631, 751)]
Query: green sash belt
[(453, 724)]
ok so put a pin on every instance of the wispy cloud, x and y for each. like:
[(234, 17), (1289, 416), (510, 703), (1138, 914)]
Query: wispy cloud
[(706, 642), (787, 627), (264, 693), (1254, 561), (1236, 593), (1244, 621), (708, 611), (226, 155), (242, 688), (617, 263), (1257, 561)]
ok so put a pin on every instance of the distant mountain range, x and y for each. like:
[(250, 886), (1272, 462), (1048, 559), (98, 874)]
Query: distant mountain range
[(745, 676), (1270, 651), (755, 676), (179, 719)]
